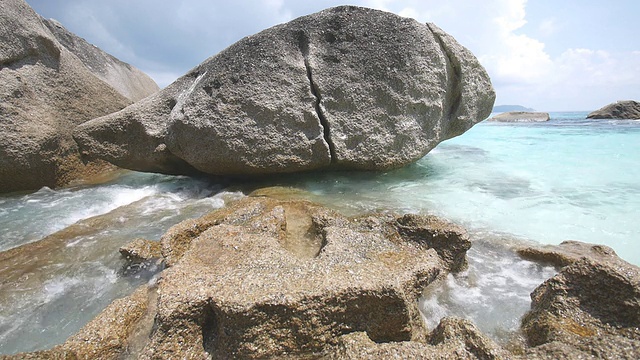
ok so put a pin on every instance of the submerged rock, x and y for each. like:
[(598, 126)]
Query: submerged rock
[(45, 91), (347, 87), (521, 116), (627, 109)]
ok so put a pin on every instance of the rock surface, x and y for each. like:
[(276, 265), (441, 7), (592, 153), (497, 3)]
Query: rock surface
[(591, 309), (124, 78), (269, 278), (45, 91), (567, 253), (347, 87), (627, 109), (141, 250), (453, 339), (521, 116)]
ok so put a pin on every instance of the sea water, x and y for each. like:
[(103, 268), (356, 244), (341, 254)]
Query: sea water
[(507, 183)]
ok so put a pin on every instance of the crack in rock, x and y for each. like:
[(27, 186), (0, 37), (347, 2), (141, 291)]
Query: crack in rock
[(303, 44)]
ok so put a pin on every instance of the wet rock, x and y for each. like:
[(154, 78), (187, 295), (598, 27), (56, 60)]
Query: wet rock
[(265, 278), (591, 309), (567, 253), (109, 335), (452, 339), (140, 254), (348, 88), (451, 242), (141, 250), (521, 116), (627, 109), (45, 92)]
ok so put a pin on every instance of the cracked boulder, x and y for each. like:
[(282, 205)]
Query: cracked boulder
[(345, 88)]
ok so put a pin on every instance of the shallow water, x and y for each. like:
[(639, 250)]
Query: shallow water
[(569, 178), (50, 288)]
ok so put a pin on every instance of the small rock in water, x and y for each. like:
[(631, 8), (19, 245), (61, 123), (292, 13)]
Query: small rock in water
[(521, 116), (621, 110)]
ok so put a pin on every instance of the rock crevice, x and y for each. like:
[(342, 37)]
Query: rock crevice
[(303, 43)]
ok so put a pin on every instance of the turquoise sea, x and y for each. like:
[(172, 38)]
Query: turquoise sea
[(566, 179)]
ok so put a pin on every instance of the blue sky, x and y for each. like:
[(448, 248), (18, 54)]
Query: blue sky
[(551, 55)]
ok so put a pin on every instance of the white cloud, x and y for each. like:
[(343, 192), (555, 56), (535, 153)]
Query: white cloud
[(548, 27)]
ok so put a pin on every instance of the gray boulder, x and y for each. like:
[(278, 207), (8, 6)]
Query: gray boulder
[(621, 110), (124, 78), (45, 91), (521, 116), (347, 87)]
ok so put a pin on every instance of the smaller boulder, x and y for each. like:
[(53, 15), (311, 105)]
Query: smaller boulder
[(620, 110), (521, 116), (566, 253), (590, 309)]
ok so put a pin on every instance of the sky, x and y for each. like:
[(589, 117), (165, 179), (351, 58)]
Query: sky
[(550, 55)]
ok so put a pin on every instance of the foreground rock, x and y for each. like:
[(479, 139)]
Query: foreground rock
[(521, 116), (347, 87), (591, 309), (45, 91), (268, 278), (621, 110)]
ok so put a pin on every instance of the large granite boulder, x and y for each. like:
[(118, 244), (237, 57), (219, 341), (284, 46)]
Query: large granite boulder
[(45, 92), (521, 116), (621, 110), (124, 78), (591, 309), (347, 87)]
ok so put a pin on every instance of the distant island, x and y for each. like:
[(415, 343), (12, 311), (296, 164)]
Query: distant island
[(505, 108)]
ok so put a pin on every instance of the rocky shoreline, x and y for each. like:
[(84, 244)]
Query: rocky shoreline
[(345, 88), (266, 278)]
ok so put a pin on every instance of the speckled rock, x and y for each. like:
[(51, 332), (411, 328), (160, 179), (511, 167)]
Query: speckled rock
[(591, 309), (266, 278), (627, 109), (141, 250), (110, 335), (347, 87), (567, 253), (124, 78), (453, 339), (45, 91)]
